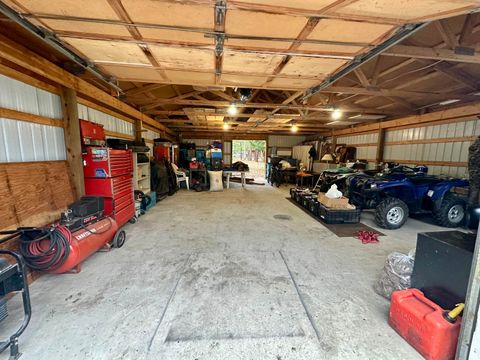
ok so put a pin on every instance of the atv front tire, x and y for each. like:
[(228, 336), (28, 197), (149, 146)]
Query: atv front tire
[(451, 212), (391, 213)]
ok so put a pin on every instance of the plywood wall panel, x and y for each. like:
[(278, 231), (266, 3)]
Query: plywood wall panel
[(314, 5), (306, 66), (241, 22), (169, 13), (299, 83), (238, 80), (258, 44), (403, 9), (109, 51), (250, 63), (97, 9), (141, 74), (194, 78), (172, 36), (348, 31), (184, 58), (331, 49), (87, 27)]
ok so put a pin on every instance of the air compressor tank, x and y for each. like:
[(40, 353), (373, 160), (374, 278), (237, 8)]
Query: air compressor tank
[(86, 241)]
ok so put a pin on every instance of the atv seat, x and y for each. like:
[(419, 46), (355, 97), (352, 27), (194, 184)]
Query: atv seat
[(423, 180)]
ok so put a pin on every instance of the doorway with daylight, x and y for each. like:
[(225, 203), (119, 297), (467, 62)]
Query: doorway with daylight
[(253, 153)]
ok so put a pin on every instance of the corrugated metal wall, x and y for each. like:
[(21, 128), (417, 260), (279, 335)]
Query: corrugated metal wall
[(413, 145), (110, 123), (22, 141), (364, 144)]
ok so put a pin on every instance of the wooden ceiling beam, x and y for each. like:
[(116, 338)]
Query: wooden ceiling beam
[(117, 6), (304, 33), (457, 75), (144, 89), (449, 38), (418, 52), (161, 102), (466, 35), (220, 104), (25, 58)]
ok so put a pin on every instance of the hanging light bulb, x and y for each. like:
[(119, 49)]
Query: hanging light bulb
[(232, 109), (226, 126), (336, 114), (294, 128)]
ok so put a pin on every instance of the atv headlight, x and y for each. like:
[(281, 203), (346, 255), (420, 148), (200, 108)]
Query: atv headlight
[(373, 186)]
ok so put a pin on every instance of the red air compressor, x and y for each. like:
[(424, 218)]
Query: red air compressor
[(62, 247)]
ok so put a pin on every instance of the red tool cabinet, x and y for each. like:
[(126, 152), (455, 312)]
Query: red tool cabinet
[(109, 173)]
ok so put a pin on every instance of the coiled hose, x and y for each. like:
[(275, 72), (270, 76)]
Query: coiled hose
[(46, 248)]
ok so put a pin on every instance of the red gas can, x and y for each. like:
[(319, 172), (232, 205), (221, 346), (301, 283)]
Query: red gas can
[(421, 322)]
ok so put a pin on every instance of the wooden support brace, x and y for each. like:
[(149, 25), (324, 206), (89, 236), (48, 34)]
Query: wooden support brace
[(73, 139)]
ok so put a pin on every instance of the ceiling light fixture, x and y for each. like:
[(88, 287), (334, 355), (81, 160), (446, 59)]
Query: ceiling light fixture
[(336, 114), (448, 102), (226, 126), (232, 109), (294, 128)]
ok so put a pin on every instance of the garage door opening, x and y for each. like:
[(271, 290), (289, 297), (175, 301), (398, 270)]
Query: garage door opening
[(252, 153)]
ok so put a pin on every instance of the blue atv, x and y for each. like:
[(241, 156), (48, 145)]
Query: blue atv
[(396, 193)]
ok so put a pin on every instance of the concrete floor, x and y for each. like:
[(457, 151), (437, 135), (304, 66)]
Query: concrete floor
[(217, 276)]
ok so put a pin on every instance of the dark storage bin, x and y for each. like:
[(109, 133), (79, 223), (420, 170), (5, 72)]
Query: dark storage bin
[(313, 205), (306, 200), (338, 216)]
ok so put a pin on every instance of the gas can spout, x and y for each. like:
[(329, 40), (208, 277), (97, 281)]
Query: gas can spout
[(451, 315)]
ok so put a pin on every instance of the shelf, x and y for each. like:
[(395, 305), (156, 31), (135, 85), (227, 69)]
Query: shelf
[(143, 178), (143, 164)]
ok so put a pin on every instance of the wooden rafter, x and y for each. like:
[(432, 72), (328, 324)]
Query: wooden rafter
[(433, 54), (467, 33), (447, 34), (117, 6)]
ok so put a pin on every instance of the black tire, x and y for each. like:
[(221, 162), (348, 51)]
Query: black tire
[(391, 213), (451, 212), (119, 239), (133, 220)]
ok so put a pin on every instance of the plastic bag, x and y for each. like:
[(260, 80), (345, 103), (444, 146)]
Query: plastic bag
[(333, 192), (396, 274)]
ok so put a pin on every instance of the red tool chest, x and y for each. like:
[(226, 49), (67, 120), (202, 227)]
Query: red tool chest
[(108, 173), (92, 133), (421, 322)]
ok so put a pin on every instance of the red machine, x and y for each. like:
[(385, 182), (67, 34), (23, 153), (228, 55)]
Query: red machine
[(92, 133), (424, 324), (109, 173), (62, 247)]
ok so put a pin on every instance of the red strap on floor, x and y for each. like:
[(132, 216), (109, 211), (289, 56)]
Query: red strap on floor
[(367, 237)]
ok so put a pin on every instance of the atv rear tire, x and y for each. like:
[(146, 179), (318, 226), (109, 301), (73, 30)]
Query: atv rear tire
[(451, 212), (391, 213)]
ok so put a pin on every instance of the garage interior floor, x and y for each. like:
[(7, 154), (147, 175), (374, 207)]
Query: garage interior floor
[(217, 276)]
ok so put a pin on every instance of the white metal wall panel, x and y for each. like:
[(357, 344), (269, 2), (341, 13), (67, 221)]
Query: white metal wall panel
[(358, 139), (24, 141), (150, 135), (19, 96), (110, 123), (285, 140)]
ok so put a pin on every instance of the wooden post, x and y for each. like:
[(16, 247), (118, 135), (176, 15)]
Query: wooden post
[(380, 145), (73, 142), (138, 130)]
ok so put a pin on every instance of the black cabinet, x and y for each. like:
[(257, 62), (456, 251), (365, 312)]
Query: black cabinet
[(442, 266)]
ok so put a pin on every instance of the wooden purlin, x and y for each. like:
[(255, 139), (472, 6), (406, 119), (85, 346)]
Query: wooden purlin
[(432, 54), (27, 59), (449, 114)]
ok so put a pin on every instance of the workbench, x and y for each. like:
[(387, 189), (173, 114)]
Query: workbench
[(229, 173)]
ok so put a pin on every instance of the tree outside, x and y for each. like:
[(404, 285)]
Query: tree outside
[(252, 153)]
